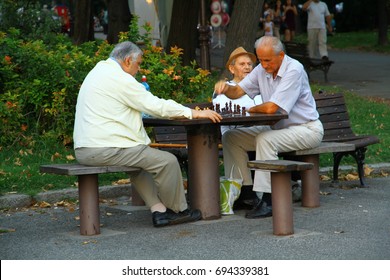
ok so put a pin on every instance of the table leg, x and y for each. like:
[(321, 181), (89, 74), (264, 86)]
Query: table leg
[(282, 209), (311, 182), (203, 169), (89, 204)]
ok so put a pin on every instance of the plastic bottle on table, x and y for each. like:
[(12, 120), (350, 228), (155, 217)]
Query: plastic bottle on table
[(147, 87), (144, 82)]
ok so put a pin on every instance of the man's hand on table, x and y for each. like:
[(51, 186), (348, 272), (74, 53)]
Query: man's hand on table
[(206, 114)]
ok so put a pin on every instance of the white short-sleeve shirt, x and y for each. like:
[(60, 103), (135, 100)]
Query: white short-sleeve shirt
[(290, 90), (243, 101)]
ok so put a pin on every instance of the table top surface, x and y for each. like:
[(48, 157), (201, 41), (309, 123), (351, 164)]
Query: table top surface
[(248, 119)]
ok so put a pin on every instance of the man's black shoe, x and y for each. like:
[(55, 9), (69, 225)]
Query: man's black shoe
[(261, 210), (244, 204), (325, 58), (247, 199), (161, 219)]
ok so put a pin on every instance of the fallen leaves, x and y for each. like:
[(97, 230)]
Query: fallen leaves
[(351, 177), (70, 206), (89, 242), (70, 157), (43, 204), (368, 170), (121, 182), (55, 156), (6, 230), (18, 162), (325, 193)]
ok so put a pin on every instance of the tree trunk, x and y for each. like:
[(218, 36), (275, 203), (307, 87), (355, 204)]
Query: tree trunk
[(83, 22), (119, 18), (382, 23), (243, 27), (183, 31)]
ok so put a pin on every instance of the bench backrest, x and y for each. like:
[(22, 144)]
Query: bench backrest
[(334, 116), (298, 51), (170, 134), (175, 134)]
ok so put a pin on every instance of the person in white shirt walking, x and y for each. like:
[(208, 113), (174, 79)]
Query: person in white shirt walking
[(318, 13)]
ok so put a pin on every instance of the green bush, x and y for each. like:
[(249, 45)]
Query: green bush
[(166, 75), (40, 80)]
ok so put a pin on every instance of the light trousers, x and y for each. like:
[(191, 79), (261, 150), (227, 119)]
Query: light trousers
[(317, 39), (160, 179), (268, 144)]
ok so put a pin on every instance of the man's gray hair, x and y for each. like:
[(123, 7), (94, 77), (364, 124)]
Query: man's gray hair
[(270, 41), (124, 50)]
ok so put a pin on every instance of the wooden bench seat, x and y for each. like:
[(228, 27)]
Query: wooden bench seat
[(282, 209), (300, 52), (89, 190), (311, 178), (337, 128)]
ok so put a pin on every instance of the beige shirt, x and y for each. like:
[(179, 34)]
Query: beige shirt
[(109, 106)]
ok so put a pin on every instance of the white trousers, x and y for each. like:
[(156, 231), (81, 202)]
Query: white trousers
[(317, 42), (268, 144)]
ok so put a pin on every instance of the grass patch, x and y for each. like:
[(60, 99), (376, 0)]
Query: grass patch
[(19, 168), (360, 41)]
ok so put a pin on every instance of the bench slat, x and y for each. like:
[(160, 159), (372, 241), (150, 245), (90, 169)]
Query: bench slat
[(325, 147), (79, 169), (280, 165)]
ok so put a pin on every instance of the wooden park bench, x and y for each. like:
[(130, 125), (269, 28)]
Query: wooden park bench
[(337, 129), (339, 139), (89, 190), (299, 52)]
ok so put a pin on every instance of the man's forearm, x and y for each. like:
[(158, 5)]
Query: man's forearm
[(234, 92), (306, 5)]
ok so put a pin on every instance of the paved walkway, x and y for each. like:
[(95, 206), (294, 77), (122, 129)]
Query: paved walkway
[(366, 74)]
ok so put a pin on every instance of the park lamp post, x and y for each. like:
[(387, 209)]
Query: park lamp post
[(204, 38)]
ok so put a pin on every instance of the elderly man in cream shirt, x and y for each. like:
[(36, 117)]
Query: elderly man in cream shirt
[(109, 131)]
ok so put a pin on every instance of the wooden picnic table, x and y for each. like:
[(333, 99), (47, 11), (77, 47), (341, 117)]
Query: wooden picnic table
[(203, 164)]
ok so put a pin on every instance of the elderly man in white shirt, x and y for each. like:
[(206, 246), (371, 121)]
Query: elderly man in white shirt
[(284, 85), (109, 130)]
